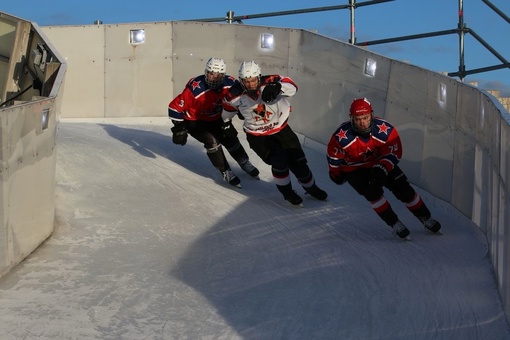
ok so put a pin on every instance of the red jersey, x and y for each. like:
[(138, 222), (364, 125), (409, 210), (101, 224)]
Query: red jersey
[(348, 150), (198, 102)]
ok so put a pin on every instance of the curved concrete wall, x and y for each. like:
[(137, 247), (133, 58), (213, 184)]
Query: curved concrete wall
[(455, 136), (27, 140)]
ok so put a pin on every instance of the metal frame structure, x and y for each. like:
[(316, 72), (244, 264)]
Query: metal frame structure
[(461, 30)]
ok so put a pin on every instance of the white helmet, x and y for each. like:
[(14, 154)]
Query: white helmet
[(249, 69), (215, 65)]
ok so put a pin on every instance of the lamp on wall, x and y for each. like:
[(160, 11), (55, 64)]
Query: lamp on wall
[(45, 119), (137, 37), (266, 41), (370, 67), (441, 95)]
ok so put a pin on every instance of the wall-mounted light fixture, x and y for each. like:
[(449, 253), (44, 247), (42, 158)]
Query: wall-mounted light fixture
[(45, 119), (137, 37), (40, 56), (370, 67), (266, 41), (441, 95)]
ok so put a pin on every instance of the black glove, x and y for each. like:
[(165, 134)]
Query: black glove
[(180, 132), (337, 178), (271, 91), (377, 176), (228, 130)]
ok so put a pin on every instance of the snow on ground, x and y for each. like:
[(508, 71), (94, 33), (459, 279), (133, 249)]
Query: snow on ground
[(150, 243)]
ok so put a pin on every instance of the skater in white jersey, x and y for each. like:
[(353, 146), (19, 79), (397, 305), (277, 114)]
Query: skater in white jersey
[(261, 100)]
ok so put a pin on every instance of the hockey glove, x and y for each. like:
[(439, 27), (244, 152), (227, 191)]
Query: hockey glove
[(180, 132), (377, 176), (271, 91), (228, 130), (337, 178)]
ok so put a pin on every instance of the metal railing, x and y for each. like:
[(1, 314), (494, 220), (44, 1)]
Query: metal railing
[(461, 30)]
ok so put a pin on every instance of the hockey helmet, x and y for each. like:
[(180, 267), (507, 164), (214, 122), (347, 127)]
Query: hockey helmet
[(249, 69), (249, 72), (215, 70), (361, 107)]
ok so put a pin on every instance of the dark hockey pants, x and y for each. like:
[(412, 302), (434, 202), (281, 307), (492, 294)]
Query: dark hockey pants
[(210, 135), (284, 153), (397, 183)]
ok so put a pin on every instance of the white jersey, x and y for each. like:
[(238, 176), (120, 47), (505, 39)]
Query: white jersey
[(260, 118)]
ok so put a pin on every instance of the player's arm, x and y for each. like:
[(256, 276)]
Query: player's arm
[(391, 151), (176, 108), (289, 87), (336, 161), (229, 103), (273, 86), (229, 111)]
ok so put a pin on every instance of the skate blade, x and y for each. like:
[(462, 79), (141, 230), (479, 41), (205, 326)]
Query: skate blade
[(439, 232), (324, 200), (407, 238)]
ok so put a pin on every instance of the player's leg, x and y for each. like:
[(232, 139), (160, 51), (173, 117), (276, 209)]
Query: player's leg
[(234, 148), (358, 179), (298, 164), (269, 150), (399, 185), (214, 151)]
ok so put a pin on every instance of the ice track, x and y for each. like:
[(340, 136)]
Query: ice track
[(150, 243)]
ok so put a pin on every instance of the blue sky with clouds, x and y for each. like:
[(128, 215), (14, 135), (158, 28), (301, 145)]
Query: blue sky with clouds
[(374, 22)]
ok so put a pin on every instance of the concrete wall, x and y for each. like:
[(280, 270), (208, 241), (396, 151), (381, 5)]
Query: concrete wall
[(455, 136), (27, 140)]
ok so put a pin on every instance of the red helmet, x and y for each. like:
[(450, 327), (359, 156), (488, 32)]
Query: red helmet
[(360, 107)]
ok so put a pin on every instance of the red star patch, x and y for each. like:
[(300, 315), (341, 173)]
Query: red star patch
[(342, 135), (196, 84), (261, 113), (260, 110), (383, 128), (367, 154)]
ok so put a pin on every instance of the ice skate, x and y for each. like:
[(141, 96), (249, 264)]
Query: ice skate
[(293, 198), (250, 169), (400, 230), (316, 192), (433, 226), (231, 178)]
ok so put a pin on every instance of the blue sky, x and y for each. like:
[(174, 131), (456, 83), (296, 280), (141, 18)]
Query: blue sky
[(381, 21)]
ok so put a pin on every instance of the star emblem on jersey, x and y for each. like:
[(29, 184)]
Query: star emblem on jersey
[(260, 110), (342, 134), (383, 128), (195, 85), (368, 154)]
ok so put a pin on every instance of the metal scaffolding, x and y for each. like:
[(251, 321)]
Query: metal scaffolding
[(461, 30)]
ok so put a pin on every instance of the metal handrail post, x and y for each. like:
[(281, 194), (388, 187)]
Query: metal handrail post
[(352, 5), (461, 27)]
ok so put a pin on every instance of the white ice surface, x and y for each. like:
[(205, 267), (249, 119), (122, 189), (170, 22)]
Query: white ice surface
[(150, 243)]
